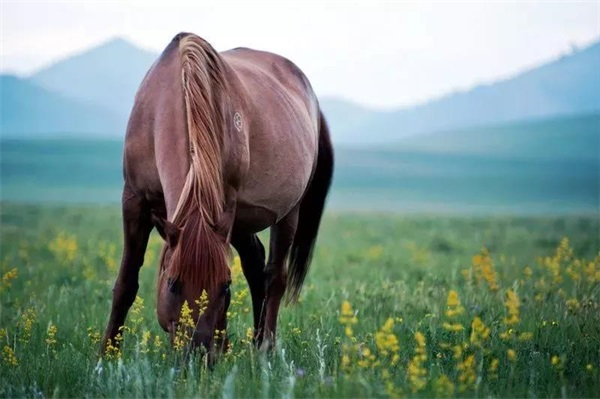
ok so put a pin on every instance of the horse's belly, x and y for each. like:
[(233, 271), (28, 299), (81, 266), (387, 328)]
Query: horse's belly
[(270, 193)]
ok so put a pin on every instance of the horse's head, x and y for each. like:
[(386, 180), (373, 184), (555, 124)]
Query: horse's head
[(193, 269)]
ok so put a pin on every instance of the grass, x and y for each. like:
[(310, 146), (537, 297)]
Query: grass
[(393, 306), (519, 181)]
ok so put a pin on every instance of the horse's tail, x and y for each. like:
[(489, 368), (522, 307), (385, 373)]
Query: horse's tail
[(311, 210)]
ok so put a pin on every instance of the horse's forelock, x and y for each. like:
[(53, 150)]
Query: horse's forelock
[(200, 259)]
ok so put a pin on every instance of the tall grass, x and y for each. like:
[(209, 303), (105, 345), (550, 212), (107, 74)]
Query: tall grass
[(393, 306)]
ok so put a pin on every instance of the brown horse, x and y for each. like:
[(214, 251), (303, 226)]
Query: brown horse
[(220, 146)]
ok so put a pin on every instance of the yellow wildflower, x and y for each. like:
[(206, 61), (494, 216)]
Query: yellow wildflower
[(202, 304), (563, 253), (387, 342), (51, 339), (113, 349), (347, 314), (64, 248), (94, 335), (512, 306), (236, 269), (452, 327), (493, 369), (26, 324), (367, 359), (249, 334), (453, 299), (457, 351), (512, 355), (592, 270), (144, 342), (237, 302), (137, 317), (185, 326), (347, 318), (466, 373), (157, 344), (573, 304), (454, 307), (345, 361), (417, 374), (8, 277), (9, 357), (483, 269), (444, 386), (479, 332), (507, 334)]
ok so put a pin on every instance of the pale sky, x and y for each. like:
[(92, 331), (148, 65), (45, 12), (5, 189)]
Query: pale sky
[(376, 53)]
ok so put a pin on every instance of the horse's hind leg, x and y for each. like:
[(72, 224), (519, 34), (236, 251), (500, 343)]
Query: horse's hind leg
[(137, 226), (252, 255), (282, 236)]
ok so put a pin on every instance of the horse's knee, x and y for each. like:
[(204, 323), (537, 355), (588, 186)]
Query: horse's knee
[(124, 293), (276, 279)]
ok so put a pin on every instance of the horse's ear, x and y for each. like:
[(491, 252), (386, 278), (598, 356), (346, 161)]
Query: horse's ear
[(167, 230)]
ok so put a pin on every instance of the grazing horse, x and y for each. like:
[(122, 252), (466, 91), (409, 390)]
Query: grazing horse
[(220, 146)]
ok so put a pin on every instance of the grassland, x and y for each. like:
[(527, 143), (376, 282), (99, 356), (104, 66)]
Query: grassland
[(529, 175), (393, 306)]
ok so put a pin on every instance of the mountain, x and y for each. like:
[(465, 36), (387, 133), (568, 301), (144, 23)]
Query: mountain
[(343, 116), (102, 81), (569, 85), (107, 75), (31, 111)]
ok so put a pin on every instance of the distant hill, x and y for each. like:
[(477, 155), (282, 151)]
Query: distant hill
[(569, 85), (565, 138), (343, 116), (31, 111), (103, 81), (107, 75)]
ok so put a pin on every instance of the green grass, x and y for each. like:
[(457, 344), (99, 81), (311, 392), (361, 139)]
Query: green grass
[(558, 138), (399, 267), (396, 178)]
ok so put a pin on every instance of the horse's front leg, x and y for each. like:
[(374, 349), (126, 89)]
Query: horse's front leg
[(252, 256), (282, 236), (137, 226)]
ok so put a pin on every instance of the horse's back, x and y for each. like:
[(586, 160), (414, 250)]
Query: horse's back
[(282, 112)]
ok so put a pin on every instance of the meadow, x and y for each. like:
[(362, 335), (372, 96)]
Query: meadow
[(519, 179), (394, 306)]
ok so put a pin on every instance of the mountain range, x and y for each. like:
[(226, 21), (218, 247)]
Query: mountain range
[(569, 85), (91, 94)]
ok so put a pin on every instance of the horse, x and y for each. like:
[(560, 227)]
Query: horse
[(218, 147)]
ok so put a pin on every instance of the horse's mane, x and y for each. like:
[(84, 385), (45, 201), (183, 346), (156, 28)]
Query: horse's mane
[(200, 258)]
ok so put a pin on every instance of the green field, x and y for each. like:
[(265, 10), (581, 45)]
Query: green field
[(393, 306), (528, 175)]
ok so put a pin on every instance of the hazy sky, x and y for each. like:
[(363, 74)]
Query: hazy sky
[(379, 53)]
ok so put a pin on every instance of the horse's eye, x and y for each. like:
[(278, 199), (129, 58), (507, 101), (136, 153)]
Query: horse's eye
[(226, 288), (174, 286)]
